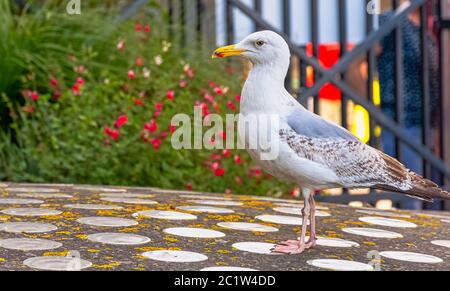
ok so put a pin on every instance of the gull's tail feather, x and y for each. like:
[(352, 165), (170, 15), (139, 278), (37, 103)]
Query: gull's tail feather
[(422, 188)]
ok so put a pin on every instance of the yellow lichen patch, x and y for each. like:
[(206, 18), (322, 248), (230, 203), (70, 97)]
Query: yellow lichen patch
[(259, 233), (369, 243), (129, 229), (63, 232), (56, 254), (196, 225), (82, 236), (170, 239), (93, 251), (224, 251), (411, 245), (221, 264), (226, 218), (111, 265), (139, 269), (2, 260)]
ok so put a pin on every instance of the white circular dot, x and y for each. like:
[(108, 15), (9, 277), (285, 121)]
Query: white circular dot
[(298, 211), (44, 195), (93, 206), (204, 197), (442, 243), (247, 226), (335, 242), (31, 212), (29, 244), (372, 232), (100, 189), (281, 219), (169, 215), (27, 227), (107, 221), (118, 238), (383, 221), (340, 265), (57, 263), (126, 195), (216, 202), (33, 190), (383, 213), (255, 247), (19, 201), (194, 232), (411, 257), (206, 209), (175, 256), (227, 269), (130, 200)]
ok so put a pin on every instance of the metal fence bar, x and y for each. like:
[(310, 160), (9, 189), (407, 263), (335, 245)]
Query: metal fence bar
[(230, 21), (258, 9), (314, 5), (371, 69), (287, 31), (426, 100), (399, 76), (343, 51)]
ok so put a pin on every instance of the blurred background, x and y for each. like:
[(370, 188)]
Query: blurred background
[(88, 88)]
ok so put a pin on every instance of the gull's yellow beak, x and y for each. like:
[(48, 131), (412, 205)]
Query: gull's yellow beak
[(227, 51)]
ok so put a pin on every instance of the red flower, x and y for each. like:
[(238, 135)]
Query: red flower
[(189, 186), (53, 82), (183, 84), (80, 81), (76, 89), (131, 74), (219, 172), (215, 166), (138, 27), (152, 126), (121, 46), (237, 159), (172, 128), (156, 114), (112, 133), (121, 121), (156, 142), (190, 73), (295, 192), (147, 28), (159, 107), (223, 135), (164, 135), (218, 90), (139, 61), (170, 94), (238, 98), (29, 109), (231, 106), (226, 153), (34, 96), (138, 102), (212, 84), (216, 157)]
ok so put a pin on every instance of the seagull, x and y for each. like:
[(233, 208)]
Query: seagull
[(312, 151)]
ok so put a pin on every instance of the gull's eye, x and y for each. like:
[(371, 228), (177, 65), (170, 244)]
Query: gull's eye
[(259, 43)]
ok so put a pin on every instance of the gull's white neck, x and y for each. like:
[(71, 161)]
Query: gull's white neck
[(264, 90)]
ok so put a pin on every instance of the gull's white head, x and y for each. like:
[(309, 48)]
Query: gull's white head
[(265, 48)]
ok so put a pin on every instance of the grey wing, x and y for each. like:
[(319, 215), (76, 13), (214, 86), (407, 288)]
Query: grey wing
[(308, 124), (355, 164)]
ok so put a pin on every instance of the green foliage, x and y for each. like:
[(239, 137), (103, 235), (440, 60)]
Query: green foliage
[(63, 139)]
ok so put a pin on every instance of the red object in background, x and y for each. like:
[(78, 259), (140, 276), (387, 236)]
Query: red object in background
[(329, 55)]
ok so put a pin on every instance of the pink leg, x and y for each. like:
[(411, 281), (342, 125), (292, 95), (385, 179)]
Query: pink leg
[(313, 237), (297, 246)]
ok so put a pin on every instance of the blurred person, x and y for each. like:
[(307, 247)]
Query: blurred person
[(412, 88)]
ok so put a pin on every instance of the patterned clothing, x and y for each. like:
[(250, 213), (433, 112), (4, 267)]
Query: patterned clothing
[(412, 72)]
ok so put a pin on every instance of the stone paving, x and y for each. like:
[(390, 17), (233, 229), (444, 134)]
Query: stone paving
[(68, 227)]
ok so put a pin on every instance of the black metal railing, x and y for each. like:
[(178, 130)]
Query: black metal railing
[(337, 75)]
